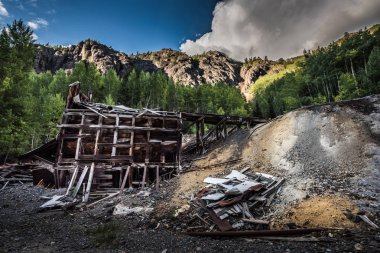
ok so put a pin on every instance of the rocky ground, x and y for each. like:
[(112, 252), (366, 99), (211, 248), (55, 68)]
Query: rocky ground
[(23, 229)]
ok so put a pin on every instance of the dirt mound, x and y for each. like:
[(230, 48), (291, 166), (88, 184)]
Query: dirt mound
[(322, 211), (323, 150)]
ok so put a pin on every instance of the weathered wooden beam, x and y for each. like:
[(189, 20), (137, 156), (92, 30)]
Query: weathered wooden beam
[(89, 183), (197, 135), (254, 221), (125, 179), (79, 183), (157, 177), (72, 181), (79, 140), (43, 160), (144, 177), (258, 232), (115, 135), (119, 127)]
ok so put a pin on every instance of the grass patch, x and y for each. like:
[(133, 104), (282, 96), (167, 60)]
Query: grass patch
[(263, 81)]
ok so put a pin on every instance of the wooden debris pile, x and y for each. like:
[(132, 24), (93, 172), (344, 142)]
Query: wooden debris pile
[(13, 175), (238, 201)]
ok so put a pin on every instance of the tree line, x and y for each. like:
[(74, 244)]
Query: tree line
[(32, 103), (346, 69)]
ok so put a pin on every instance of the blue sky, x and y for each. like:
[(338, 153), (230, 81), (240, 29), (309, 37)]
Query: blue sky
[(239, 28), (127, 25)]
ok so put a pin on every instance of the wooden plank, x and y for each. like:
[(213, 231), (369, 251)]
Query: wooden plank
[(100, 200), (289, 239), (256, 233), (72, 181), (202, 133), (79, 140), (91, 175), (117, 145), (119, 127), (368, 221), (79, 183), (197, 138), (95, 111), (254, 221), (273, 188), (115, 136), (225, 133), (144, 177), (89, 183), (15, 179), (43, 160), (125, 179), (157, 177), (132, 138), (5, 185), (223, 225)]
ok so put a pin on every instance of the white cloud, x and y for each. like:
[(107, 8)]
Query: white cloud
[(33, 25), (37, 23), (3, 11), (35, 36), (246, 28)]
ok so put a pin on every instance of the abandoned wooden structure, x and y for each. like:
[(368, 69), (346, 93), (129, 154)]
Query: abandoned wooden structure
[(102, 149)]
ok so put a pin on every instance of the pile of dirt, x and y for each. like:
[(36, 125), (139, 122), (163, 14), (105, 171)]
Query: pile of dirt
[(329, 149), (322, 211)]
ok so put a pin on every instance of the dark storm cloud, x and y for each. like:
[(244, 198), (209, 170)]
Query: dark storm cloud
[(244, 28)]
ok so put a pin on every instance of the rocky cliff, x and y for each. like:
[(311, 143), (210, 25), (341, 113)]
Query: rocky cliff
[(210, 67)]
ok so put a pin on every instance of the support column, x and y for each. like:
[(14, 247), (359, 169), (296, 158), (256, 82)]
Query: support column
[(115, 135)]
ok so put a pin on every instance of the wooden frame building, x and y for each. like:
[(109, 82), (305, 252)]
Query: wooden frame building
[(102, 149), (116, 147)]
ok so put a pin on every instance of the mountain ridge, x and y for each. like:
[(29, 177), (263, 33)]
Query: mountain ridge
[(208, 67)]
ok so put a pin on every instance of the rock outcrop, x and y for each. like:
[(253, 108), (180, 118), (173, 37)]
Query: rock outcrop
[(210, 67), (59, 57)]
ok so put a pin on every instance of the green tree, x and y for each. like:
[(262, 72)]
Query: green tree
[(374, 71), (16, 61), (90, 79), (348, 87), (112, 85)]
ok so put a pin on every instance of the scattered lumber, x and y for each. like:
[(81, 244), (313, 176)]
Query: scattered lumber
[(15, 174), (254, 221), (257, 233), (290, 239), (368, 221), (237, 201)]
